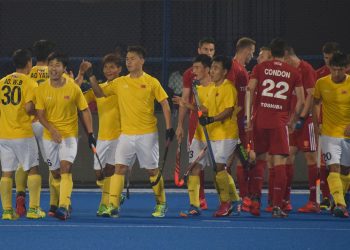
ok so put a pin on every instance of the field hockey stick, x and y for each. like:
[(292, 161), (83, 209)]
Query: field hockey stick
[(318, 164), (160, 171), (178, 182)]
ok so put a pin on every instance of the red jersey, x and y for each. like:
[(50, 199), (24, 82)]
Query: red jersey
[(187, 80), (276, 83), (240, 77), (323, 71)]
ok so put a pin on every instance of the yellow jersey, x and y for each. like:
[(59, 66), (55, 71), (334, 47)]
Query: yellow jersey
[(39, 73), (108, 114), (335, 99), (136, 98), (16, 90), (60, 105), (220, 98), (203, 92)]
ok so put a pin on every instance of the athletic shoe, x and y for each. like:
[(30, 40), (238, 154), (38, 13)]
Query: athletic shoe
[(203, 204), (62, 213), (269, 208), (325, 204), (236, 208), (122, 199), (35, 213), (287, 206), (224, 209), (247, 202), (111, 212), (21, 204), (277, 212), (52, 211), (160, 210), (255, 207), (101, 209), (9, 214), (191, 212), (340, 211), (310, 207)]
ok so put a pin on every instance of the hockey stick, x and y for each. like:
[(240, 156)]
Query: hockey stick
[(160, 171), (178, 182), (318, 164)]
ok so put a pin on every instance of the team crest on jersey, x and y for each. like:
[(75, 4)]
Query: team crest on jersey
[(66, 97), (143, 86), (344, 91)]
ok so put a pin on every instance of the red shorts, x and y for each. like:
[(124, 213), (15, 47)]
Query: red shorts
[(304, 139), (275, 141)]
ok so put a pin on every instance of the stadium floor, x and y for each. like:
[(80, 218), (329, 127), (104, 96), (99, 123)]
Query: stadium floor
[(135, 229)]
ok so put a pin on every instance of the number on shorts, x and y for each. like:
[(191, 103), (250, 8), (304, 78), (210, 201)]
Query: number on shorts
[(190, 154), (49, 162), (282, 87), (12, 95), (327, 156)]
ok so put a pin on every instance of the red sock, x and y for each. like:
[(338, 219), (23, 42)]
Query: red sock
[(271, 182), (290, 174), (312, 182), (279, 186), (257, 178), (242, 179), (201, 187), (323, 182)]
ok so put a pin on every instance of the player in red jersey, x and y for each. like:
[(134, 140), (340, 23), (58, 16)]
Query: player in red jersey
[(205, 46), (274, 82), (328, 50), (303, 136), (238, 74)]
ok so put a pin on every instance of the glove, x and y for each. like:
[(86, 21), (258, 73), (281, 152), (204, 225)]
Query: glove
[(92, 140), (299, 124), (205, 120), (89, 72), (169, 134)]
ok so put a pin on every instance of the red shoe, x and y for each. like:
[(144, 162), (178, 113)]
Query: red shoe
[(224, 209), (287, 206), (269, 208), (246, 203), (21, 204), (310, 207), (255, 207), (203, 204)]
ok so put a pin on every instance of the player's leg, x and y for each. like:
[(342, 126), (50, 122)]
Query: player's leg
[(293, 149), (256, 182), (21, 183), (271, 179)]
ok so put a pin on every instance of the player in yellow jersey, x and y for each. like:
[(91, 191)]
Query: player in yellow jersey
[(57, 101), (17, 141), (222, 127), (39, 73), (139, 136), (333, 91), (109, 126)]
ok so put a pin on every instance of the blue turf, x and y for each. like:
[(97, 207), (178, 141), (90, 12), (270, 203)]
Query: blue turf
[(135, 229)]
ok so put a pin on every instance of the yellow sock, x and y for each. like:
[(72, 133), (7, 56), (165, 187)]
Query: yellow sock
[(232, 191), (115, 189), (105, 191), (34, 187), (6, 192), (99, 183), (336, 188), (345, 179), (66, 188), (158, 189), (21, 179), (222, 182), (193, 185), (54, 185)]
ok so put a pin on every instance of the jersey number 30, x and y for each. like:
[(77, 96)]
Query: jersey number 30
[(11, 95), (282, 87)]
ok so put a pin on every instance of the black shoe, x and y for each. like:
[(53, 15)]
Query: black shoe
[(277, 212), (325, 204)]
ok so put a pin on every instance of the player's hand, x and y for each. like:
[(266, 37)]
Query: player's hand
[(55, 135), (347, 131), (205, 120), (169, 134), (92, 140), (300, 123), (179, 134), (84, 66)]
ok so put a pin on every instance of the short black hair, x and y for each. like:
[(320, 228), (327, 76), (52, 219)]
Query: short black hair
[(42, 49), (330, 47), (203, 59), (339, 59), (21, 57), (278, 46), (244, 42), (206, 40), (139, 50), (112, 58), (224, 60), (59, 56)]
